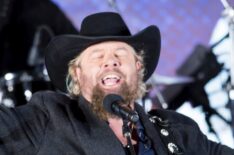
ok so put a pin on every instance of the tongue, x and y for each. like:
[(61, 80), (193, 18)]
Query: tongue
[(110, 81)]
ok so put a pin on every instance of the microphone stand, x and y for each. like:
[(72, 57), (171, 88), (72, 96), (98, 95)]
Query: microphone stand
[(127, 135)]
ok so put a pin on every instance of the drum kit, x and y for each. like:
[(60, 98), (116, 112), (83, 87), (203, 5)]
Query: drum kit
[(17, 88)]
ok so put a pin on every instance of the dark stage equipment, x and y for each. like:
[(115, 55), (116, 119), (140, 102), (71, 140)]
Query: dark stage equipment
[(26, 26), (202, 66)]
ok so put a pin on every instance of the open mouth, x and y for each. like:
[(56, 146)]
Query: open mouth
[(110, 80)]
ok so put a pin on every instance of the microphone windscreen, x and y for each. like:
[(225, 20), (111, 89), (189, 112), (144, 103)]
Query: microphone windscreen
[(109, 100)]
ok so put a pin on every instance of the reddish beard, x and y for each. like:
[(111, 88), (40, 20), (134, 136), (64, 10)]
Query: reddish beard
[(98, 95)]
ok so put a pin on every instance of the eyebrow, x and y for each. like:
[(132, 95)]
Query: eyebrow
[(120, 48), (97, 50), (102, 49)]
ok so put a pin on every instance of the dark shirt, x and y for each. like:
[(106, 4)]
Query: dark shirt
[(144, 143)]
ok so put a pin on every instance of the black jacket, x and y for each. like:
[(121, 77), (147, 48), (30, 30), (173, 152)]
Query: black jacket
[(54, 124)]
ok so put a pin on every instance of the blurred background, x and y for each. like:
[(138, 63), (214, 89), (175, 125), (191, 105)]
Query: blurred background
[(194, 74)]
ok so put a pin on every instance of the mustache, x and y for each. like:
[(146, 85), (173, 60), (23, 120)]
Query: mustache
[(106, 71)]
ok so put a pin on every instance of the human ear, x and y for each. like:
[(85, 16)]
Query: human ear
[(138, 65), (77, 74)]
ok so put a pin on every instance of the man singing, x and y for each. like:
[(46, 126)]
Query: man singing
[(103, 59)]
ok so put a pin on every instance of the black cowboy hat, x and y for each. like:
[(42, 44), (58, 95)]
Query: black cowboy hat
[(96, 28)]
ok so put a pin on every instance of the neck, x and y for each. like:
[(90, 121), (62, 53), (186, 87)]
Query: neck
[(87, 97)]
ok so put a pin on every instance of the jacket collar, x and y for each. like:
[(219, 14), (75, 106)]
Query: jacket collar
[(151, 131)]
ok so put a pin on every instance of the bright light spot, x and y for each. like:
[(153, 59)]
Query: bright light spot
[(28, 94), (231, 94), (9, 76), (8, 102)]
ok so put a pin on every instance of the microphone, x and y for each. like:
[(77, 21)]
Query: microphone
[(112, 103)]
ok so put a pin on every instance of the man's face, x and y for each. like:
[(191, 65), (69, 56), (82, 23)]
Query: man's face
[(107, 65)]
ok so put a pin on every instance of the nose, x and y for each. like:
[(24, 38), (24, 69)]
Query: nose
[(111, 61)]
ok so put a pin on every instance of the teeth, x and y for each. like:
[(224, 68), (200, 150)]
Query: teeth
[(110, 80), (111, 77)]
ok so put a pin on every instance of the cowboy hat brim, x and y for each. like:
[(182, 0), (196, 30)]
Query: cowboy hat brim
[(62, 49)]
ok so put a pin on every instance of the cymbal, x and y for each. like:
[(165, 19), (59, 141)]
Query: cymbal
[(157, 79)]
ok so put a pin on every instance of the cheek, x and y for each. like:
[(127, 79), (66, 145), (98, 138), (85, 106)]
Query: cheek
[(131, 73), (89, 75)]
